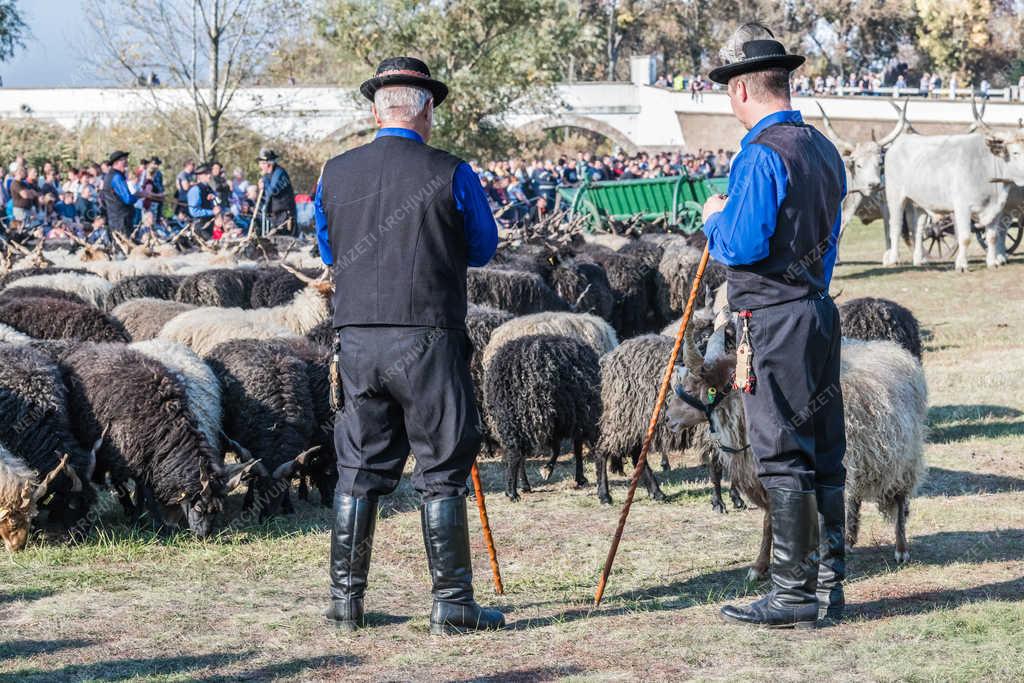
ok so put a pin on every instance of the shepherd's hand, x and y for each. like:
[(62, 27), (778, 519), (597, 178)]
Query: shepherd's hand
[(714, 204)]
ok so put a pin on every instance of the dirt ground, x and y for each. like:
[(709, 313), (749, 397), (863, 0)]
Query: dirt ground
[(247, 605)]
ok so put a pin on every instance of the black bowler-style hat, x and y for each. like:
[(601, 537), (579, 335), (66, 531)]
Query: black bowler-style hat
[(757, 55), (204, 168), (404, 71), (267, 155), (116, 155)]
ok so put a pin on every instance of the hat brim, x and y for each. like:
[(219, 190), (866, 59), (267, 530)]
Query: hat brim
[(117, 157), (438, 90), (723, 73)]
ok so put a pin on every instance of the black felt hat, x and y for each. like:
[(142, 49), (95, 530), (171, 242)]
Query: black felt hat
[(267, 155), (758, 55), (404, 71), (203, 168), (116, 155)]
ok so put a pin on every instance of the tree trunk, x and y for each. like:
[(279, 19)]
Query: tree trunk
[(214, 112)]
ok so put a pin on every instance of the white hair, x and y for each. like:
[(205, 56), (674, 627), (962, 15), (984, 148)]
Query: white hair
[(400, 102)]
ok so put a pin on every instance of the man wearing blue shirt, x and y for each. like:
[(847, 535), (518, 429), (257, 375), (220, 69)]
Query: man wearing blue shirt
[(118, 200), (777, 233), (401, 222), (200, 196)]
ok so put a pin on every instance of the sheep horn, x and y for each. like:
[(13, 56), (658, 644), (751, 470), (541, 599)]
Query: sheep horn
[(241, 451), (831, 131), (716, 346), (288, 469), (44, 485), (692, 359), (300, 275), (238, 472), (897, 130)]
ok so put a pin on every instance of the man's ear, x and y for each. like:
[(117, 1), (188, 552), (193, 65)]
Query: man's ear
[(376, 116)]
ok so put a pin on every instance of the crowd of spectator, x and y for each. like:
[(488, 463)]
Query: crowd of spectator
[(521, 189)]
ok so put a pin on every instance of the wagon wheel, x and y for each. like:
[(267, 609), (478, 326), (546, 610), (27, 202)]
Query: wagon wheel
[(940, 239), (1012, 237)]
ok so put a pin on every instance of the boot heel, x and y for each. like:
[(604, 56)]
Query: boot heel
[(805, 625)]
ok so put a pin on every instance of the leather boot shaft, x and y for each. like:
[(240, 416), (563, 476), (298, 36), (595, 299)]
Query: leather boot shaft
[(832, 549), (355, 520)]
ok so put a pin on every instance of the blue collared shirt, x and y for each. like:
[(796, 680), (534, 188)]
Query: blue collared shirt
[(480, 228), (195, 203), (120, 187), (740, 234)]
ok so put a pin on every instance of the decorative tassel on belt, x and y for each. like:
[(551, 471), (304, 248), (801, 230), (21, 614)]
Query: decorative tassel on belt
[(745, 379)]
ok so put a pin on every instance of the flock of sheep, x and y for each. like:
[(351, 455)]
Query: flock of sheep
[(173, 378)]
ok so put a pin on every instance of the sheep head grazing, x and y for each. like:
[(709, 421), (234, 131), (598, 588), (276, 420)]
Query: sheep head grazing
[(16, 515), (700, 376)]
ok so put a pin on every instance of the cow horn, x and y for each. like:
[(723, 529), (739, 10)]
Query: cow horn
[(44, 485), (831, 131), (897, 129), (978, 122), (692, 359)]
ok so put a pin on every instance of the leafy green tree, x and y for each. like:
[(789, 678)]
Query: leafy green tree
[(964, 36), (12, 29)]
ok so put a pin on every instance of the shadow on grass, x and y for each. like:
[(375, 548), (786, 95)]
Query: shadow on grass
[(25, 594), (935, 267), (952, 423), (294, 667), (929, 601), (29, 648), (943, 482), (122, 669), (545, 673)]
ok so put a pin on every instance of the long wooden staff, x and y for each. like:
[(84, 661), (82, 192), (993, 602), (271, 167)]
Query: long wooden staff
[(499, 588), (651, 427)]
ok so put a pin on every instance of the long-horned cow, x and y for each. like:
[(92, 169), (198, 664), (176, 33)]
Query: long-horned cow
[(864, 191), (967, 175)]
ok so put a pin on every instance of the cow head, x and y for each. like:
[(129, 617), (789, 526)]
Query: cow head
[(700, 377), (864, 159)]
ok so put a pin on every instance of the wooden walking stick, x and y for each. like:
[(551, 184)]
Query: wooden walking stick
[(499, 588), (651, 427)]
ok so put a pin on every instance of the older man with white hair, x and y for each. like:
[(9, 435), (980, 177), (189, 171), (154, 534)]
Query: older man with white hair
[(401, 221)]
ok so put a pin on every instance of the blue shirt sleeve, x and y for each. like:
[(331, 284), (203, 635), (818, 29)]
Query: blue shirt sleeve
[(323, 236), (195, 202), (739, 234), (481, 230), (120, 188), (828, 260)]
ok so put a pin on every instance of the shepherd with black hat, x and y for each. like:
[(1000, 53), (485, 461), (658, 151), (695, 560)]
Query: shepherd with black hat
[(401, 221), (278, 202), (776, 232), (201, 204), (118, 200)]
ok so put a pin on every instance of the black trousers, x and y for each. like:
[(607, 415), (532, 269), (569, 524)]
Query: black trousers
[(795, 415), (406, 388)]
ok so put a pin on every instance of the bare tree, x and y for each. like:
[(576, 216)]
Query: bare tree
[(209, 48)]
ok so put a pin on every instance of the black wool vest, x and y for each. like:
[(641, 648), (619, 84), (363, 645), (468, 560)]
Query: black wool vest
[(119, 214), (794, 267), (400, 253)]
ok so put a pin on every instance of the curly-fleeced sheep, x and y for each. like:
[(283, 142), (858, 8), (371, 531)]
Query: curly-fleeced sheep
[(587, 329), (39, 293), (223, 287), (584, 285), (46, 318), (873, 319), (268, 410), (631, 278), (144, 318), (20, 492), (323, 333), (675, 273), (885, 402), (92, 288), (36, 428), (20, 273), (149, 433), (153, 286), (481, 321), (515, 291), (539, 390), (274, 287)]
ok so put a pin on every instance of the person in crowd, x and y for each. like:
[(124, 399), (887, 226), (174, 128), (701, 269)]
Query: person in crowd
[(65, 207), (24, 196), (201, 199), (156, 186), (220, 185), (278, 203), (184, 181), (86, 208), (118, 199)]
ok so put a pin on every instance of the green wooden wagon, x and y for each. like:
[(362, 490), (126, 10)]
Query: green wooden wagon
[(678, 200)]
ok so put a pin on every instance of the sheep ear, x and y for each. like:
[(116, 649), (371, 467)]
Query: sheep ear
[(44, 486), (240, 451), (288, 469), (4, 512), (239, 473)]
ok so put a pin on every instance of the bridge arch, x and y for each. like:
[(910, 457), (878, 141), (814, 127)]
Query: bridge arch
[(570, 120), (354, 128)]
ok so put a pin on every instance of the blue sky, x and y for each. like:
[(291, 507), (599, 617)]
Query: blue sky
[(52, 54)]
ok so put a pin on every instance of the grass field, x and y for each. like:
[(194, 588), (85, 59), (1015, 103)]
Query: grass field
[(247, 605)]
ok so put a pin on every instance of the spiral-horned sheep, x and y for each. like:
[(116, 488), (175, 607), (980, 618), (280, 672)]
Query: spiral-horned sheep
[(538, 391), (587, 329), (20, 493), (885, 401), (516, 291), (46, 318), (149, 435), (153, 286), (871, 319), (268, 412), (36, 428), (144, 318), (91, 288)]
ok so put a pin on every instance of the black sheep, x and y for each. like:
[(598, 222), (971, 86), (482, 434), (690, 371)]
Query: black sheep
[(539, 390), (322, 334), (515, 291), (631, 278), (36, 428), (144, 286), (584, 285), (48, 318), (222, 287), (40, 293), (268, 410), (481, 321), (873, 319), (274, 287)]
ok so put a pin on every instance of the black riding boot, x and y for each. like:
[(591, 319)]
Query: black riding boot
[(792, 601), (832, 564), (446, 537), (351, 543)]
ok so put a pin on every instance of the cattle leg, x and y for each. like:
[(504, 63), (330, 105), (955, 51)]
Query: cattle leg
[(918, 225), (601, 465), (715, 470), (523, 481), (896, 202), (852, 521), (759, 572), (902, 549), (577, 452), (962, 217), (994, 255), (549, 467), (651, 482), (665, 464)]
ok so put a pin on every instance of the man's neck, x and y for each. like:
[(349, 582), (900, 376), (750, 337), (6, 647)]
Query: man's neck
[(407, 125), (766, 109)]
